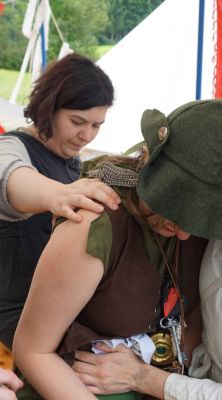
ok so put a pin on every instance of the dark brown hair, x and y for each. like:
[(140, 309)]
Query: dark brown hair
[(74, 82)]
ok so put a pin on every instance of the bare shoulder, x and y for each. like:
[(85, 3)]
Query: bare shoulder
[(69, 232), (87, 218)]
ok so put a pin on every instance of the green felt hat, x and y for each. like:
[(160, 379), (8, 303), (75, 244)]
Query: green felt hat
[(182, 180)]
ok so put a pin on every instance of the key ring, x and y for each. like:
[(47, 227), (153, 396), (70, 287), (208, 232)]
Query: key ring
[(167, 323)]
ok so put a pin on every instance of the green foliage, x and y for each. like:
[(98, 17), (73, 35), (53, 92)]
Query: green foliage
[(13, 43), (83, 24), (124, 15), (80, 23)]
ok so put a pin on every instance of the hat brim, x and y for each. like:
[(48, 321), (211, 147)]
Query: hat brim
[(175, 194)]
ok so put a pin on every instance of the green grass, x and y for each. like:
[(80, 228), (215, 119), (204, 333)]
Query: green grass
[(7, 82), (101, 50)]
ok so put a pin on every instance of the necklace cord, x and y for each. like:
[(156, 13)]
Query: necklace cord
[(173, 276)]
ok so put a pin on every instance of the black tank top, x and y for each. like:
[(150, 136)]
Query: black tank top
[(22, 242)]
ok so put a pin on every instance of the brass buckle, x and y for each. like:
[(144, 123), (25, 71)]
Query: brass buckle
[(163, 356)]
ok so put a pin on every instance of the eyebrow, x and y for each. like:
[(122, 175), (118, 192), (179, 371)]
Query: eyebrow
[(86, 120)]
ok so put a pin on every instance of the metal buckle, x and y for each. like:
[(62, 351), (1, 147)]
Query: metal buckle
[(168, 354)]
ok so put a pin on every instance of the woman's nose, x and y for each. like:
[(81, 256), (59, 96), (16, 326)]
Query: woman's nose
[(87, 133)]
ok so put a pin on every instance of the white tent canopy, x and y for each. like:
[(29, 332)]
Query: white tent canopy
[(11, 115), (154, 66)]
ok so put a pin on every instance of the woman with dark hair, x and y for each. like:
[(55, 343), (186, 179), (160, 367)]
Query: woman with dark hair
[(130, 274), (73, 83), (39, 169)]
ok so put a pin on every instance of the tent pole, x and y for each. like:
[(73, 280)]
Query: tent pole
[(200, 49), (43, 47)]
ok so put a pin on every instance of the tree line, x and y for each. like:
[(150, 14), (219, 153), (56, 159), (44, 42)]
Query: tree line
[(84, 24)]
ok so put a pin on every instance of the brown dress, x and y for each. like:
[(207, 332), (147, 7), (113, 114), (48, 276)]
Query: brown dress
[(127, 300)]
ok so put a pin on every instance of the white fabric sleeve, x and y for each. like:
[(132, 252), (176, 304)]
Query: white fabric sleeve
[(211, 300), (208, 356), (13, 155), (178, 387)]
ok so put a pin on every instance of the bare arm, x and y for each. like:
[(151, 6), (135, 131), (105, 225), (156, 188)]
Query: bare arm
[(24, 191), (65, 279), (30, 192)]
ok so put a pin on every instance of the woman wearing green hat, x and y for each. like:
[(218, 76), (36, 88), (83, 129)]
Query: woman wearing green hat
[(127, 273), (185, 185)]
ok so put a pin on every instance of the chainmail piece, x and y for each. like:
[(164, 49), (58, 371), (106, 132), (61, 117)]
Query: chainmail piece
[(113, 175)]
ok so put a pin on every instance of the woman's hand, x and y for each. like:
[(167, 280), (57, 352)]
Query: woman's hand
[(119, 370), (113, 372), (9, 384), (29, 192), (83, 194)]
